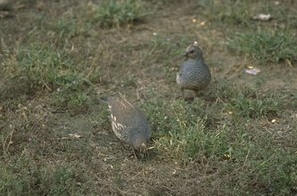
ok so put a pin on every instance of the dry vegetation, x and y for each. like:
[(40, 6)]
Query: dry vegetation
[(58, 57)]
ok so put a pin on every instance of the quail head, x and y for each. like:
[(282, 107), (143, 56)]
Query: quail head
[(129, 123), (193, 74)]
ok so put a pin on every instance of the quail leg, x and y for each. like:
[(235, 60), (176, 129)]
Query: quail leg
[(137, 154), (188, 97), (182, 92), (198, 93)]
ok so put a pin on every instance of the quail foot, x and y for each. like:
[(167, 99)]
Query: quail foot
[(129, 123), (193, 74)]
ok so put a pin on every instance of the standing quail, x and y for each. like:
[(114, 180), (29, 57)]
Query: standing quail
[(194, 74), (129, 123)]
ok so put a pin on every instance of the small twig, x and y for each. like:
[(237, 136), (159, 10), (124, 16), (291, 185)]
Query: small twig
[(8, 137)]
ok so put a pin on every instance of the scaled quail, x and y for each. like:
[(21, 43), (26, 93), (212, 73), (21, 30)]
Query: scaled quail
[(194, 74), (129, 123)]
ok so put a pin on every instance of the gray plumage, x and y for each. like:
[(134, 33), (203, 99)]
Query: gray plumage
[(129, 123), (194, 74)]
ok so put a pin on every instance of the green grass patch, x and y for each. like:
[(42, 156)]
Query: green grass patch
[(120, 13), (181, 132), (47, 69), (236, 13), (66, 28), (26, 177), (266, 46), (46, 66), (255, 106), (256, 166)]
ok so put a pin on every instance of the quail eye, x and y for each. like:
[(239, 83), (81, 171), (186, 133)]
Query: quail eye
[(192, 51)]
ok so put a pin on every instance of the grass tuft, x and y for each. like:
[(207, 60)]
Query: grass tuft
[(181, 132), (255, 107), (266, 46), (120, 13), (228, 12), (46, 67), (43, 68), (26, 177)]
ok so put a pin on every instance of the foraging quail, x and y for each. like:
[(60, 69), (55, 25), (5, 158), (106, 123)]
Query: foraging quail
[(194, 74), (129, 123)]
